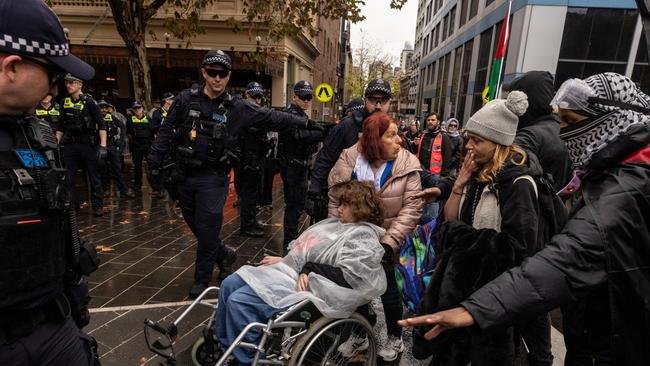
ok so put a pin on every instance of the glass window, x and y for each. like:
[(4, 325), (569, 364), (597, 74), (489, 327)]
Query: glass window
[(434, 44), (445, 84), (473, 9), (455, 77), (428, 13), (463, 12), (482, 68), (444, 28), (567, 70), (435, 36), (452, 20)]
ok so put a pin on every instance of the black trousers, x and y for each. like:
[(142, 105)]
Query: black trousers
[(249, 191), (294, 179), (84, 156), (114, 171), (271, 168), (139, 151), (537, 335), (57, 343), (202, 198)]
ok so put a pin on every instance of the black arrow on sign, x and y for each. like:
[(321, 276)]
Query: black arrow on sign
[(327, 94)]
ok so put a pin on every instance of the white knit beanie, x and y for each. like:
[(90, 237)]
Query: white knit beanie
[(497, 120)]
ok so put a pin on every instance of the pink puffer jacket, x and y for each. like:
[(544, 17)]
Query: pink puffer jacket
[(401, 211)]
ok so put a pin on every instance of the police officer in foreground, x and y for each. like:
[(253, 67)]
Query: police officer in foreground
[(296, 146), (82, 133), (377, 98), (37, 267), (209, 121), (251, 166), (48, 111), (116, 131), (140, 131)]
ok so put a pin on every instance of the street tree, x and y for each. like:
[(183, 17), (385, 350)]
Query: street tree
[(182, 18), (370, 61)]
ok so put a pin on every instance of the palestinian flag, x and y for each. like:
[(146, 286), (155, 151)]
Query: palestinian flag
[(494, 84)]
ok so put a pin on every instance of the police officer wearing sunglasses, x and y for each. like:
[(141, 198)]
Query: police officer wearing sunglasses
[(39, 243), (208, 121), (296, 148)]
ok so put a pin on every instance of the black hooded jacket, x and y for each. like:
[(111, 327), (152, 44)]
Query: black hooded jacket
[(605, 242), (538, 130)]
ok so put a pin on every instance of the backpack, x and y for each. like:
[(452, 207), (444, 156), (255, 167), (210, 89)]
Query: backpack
[(417, 260)]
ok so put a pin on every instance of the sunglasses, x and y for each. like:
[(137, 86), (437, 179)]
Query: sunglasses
[(375, 100), (452, 125), (213, 73), (54, 73), (305, 98)]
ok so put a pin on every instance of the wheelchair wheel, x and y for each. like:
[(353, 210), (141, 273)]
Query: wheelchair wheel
[(327, 343), (201, 356)]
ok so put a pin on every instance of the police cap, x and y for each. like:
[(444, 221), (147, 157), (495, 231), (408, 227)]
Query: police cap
[(135, 105), (254, 89), (354, 105), (167, 96), (70, 77), (217, 57), (303, 88), (379, 85), (30, 28)]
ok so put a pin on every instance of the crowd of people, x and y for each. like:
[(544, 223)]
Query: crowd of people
[(541, 199)]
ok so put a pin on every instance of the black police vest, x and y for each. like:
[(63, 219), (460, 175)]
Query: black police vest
[(76, 120), (141, 127), (204, 139), (113, 132), (33, 193), (290, 147)]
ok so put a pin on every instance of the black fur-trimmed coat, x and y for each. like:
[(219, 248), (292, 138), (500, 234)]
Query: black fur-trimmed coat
[(469, 259)]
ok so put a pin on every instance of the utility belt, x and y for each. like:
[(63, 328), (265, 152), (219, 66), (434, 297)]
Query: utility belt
[(17, 324)]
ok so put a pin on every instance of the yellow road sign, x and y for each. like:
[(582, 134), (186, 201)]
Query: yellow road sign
[(324, 93)]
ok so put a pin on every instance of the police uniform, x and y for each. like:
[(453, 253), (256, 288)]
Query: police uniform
[(80, 122), (141, 133), (205, 151), (253, 149), (50, 115), (296, 148), (38, 234), (115, 134), (157, 118)]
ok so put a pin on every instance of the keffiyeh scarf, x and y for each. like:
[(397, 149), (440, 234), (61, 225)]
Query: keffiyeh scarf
[(612, 117)]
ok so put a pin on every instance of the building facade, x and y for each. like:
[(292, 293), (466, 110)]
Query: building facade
[(456, 41), (175, 63)]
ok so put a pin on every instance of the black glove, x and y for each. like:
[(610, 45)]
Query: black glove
[(102, 154), (389, 254), (315, 126)]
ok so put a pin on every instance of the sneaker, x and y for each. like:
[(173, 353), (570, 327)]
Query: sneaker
[(390, 350), (353, 345)]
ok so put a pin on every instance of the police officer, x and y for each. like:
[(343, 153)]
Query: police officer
[(377, 98), (157, 117), (48, 111), (296, 147), (80, 126), (208, 120), (36, 326), (253, 148), (140, 131), (116, 133)]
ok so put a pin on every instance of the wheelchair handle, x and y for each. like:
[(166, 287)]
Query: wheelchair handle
[(155, 326)]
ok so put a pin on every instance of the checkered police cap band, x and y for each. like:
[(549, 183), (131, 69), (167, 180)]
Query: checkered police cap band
[(255, 91), (23, 45), (353, 108), (378, 88), (217, 59), (304, 90)]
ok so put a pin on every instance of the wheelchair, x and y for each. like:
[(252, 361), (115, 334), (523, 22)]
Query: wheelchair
[(299, 336)]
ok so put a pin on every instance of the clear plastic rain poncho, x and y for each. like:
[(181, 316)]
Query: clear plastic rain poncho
[(353, 248)]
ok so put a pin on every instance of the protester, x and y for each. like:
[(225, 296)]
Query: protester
[(605, 122), (412, 137), (340, 257), (378, 158), (457, 142)]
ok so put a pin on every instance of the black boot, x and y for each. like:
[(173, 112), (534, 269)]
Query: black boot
[(252, 231), (225, 262)]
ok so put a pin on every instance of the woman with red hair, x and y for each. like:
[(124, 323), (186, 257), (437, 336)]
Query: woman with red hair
[(379, 158)]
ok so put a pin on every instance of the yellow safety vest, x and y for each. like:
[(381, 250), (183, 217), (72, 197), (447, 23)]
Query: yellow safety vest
[(69, 104), (135, 119), (46, 112)]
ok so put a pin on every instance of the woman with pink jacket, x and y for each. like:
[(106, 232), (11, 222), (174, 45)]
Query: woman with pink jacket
[(378, 157)]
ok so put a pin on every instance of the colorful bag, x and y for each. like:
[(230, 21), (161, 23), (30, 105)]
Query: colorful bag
[(417, 260)]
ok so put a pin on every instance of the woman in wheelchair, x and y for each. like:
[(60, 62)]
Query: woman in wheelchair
[(336, 264)]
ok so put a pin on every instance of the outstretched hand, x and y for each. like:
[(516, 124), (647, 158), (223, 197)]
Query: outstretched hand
[(429, 195), (443, 320)]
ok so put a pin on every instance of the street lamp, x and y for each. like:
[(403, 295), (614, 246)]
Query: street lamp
[(258, 40)]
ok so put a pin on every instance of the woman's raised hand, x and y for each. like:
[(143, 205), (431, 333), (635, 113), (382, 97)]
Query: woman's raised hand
[(270, 260), (429, 195), (468, 168)]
